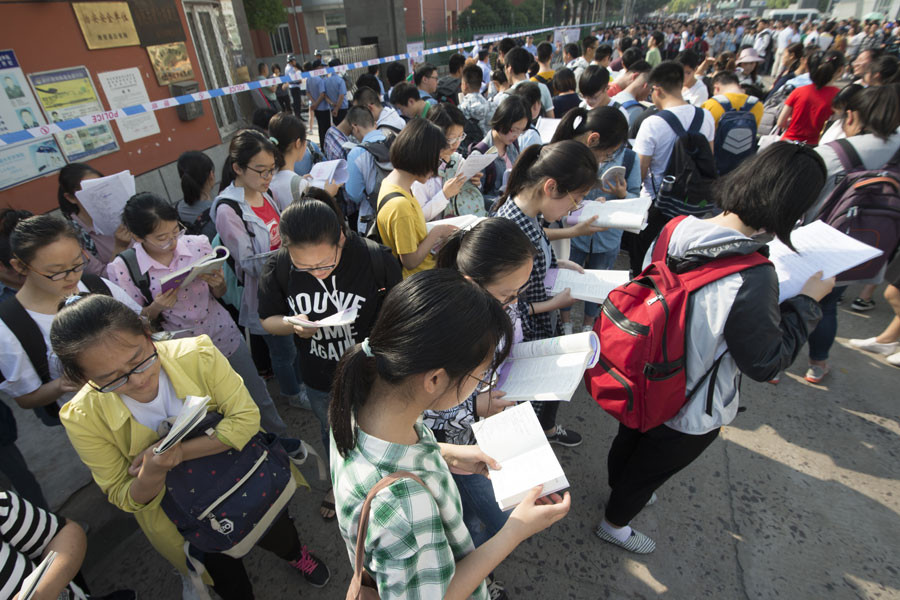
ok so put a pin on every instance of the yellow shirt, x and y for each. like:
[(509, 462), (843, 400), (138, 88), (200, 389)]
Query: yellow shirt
[(107, 437), (401, 224), (737, 101), (548, 75)]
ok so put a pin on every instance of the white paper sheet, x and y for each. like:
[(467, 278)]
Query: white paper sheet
[(344, 317), (30, 583), (628, 214), (820, 247), (125, 87), (329, 171), (547, 127), (462, 222), (104, 199), (475, 163)]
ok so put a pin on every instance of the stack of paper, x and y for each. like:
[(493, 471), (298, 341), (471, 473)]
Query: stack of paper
[(592, 285), (476, 162), (516, 440), (329, 171), (549, 369), (629, 214), (192, 412), (104, 199), (820, 247), (344, 317), (462, 222), (30, 583)]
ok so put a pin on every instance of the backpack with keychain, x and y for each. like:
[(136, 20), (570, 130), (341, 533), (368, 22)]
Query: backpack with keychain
[(692, 167)]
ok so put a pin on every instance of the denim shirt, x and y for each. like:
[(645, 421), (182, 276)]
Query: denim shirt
[(605, 241)]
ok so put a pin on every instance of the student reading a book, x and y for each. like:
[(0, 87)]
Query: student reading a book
[(498, 256), (198, 178), (605, 131), (431, 344), (547, 183), (742, 327), (47, 251), (510, 120), (416, 156), (129, 386), (28, 534), (99, 248), (323, 268), (247, 218), (463, 196), (530, 93), (162, 249)]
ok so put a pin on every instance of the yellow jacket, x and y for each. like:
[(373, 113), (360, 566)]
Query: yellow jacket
[(107, 437)]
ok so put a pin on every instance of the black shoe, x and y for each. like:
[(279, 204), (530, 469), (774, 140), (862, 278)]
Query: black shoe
[(496, 589), (313, 569), (565, 438), (860, 305)]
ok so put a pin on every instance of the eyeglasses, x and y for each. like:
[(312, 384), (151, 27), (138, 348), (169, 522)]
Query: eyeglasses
[(167, 243), (456, 140), (59, 276), (322, 268), (575, 205), (264, 173), (120, 381), (604, 158), (519, 293), (487, 385)]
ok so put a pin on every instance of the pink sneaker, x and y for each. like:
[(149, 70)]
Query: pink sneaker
[(314, 570)]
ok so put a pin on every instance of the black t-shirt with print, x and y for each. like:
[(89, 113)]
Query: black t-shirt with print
[(285, 291)]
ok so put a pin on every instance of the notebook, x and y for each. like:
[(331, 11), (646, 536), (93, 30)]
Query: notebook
[(592, 285), (516, 440), (208, 264), (462, 222)]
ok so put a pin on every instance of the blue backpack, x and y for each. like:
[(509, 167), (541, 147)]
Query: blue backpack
[(735, 134), (226, 502)]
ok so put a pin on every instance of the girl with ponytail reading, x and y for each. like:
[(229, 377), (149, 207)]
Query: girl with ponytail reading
[(198, 178), (434, 339)]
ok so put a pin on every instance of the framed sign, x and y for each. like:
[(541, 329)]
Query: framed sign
[(106, 24), (157, 21), (171, 63)]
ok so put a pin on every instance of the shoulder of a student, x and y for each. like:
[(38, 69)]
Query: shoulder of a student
[(404, 511)]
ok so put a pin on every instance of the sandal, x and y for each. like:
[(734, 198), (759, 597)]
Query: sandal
[(327, 507)]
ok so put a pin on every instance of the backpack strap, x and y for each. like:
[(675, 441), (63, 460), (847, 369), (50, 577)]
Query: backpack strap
[(718, 268), (749, 103), (661, 247), (95, 284), (724, 101), (672, 122), (384, 201), (697, 121), (233, 205), (359, 570), (847, 154), (628, 161), (630, 104), (139, 279), (379, 266)]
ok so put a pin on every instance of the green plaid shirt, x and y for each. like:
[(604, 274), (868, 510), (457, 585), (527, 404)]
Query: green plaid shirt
[(415, 536)]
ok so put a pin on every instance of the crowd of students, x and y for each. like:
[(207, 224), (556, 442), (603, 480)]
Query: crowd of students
[(436, 309)]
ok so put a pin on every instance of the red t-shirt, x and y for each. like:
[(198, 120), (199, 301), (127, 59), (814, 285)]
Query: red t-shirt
[(812, 107), (270, 217), (612, 90)]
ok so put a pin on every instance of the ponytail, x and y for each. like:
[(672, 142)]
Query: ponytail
[(285, 129), (435, 319), (194, 168), (573, 124), (245, 144), (488, 251), (571, 164), (823, 66), (608, 122)]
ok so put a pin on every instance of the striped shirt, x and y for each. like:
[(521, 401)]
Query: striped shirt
[(25, 533), (415, 536)]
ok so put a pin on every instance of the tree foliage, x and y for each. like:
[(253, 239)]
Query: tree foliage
[(266, 15)]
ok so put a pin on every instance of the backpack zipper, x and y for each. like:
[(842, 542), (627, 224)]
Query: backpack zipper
[(622, 322), (232, 489), (609, 369)]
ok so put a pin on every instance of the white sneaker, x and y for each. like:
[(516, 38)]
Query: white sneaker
[(870, 345), (567, 328), (587, 328), (894, 359)]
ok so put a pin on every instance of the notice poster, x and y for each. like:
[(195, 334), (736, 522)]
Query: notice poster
[(68, 94), (19, 110), (412, 48), (125, 87), (566, 36)]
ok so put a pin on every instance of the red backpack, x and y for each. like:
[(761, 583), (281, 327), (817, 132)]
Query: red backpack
[(641, 378)]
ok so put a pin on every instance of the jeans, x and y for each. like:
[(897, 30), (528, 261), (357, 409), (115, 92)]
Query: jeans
[(283, 354), (822, 337), (318, 400), (241, 361), (481, 514), (592, 260)]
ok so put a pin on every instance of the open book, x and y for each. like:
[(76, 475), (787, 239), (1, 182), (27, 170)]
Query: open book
[(476, 162), (31, 582), (344, 317), (462, 222), (549, 369), (593, 285), (820, 247), (629, 214), (210, 263), (104, 199), (547, 127), (192, 412), (329, 171), (516, 440)]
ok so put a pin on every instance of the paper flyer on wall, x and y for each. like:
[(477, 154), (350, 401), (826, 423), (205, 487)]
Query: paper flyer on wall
[(125, 87), (20, 110), (67, 94)]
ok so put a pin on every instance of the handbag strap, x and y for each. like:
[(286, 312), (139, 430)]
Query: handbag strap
[(358, 568)]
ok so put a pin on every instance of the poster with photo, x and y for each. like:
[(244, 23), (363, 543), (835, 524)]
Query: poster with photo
[(19, 110), (67, 94), (171, 63), (125, 87)]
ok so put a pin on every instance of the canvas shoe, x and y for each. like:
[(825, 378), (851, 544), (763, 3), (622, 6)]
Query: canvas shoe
[(894, 359), (314, 570), (637, 542), (496, 589), (567, 328), (860, 305), (563, 437), (816, 373), (870, 345)]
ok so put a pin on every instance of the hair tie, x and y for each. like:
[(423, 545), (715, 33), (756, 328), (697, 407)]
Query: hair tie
[(273, 139), (367, 348), (576, 122), (72, 299)]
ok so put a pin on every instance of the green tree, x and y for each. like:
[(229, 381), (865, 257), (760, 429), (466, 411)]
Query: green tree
[(266, 15)]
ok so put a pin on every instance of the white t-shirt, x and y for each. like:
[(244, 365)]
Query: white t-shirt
[(697, 94), (165, 405), (656, 139), (281, 188), (21, 377)]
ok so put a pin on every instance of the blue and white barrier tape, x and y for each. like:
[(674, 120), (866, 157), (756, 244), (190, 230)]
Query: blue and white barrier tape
[(128, 111)]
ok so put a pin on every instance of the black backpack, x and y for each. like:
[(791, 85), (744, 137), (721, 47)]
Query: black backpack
[(472, 135), (448, 91), (693, 168), (196, 226), (20, 323), (372, 232)]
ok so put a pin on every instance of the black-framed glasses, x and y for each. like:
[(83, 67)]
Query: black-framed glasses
[(517, 296), (322, 268), (264, 173), (120, 381), (486, 385), (60, 275)]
